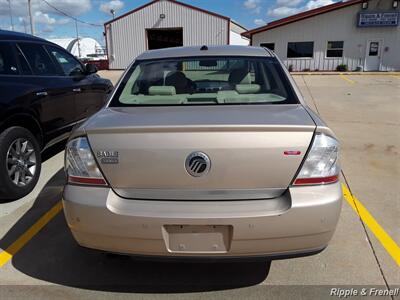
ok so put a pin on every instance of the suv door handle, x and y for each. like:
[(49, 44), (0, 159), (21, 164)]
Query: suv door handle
[(41, 94), (77, 90)]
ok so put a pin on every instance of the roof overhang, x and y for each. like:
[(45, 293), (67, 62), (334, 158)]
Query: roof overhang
[(301, 16)]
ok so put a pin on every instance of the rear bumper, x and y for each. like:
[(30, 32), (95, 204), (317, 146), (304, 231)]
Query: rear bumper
[(300, 222)]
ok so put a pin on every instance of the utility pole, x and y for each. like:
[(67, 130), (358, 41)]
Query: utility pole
[(77, 39), (110, 46), (23, 21), (31, 18), (11, 18)]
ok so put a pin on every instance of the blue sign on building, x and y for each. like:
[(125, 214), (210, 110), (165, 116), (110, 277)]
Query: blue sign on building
[(371, 19)]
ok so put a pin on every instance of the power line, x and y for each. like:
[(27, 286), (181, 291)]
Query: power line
[(69, 16)]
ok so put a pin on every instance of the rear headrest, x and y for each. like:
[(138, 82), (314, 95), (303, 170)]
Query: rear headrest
[(248, 88), (239, 76), (157, 90), (176, 79)]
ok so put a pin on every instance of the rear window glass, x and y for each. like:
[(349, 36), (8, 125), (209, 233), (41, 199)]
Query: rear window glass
[(205, 80), (25, 69), (7, 61)]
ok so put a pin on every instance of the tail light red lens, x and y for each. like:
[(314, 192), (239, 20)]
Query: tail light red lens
[(86, 180)]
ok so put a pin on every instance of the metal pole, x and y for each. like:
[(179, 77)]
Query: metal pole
[(31, 18), (110, 45), (11, 18), (23, 21), (77, 38)]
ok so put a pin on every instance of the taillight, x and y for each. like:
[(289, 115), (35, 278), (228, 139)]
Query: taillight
[(321, 165), (80, 164)]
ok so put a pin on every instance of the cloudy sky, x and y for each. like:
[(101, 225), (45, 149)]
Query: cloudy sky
[(52, 16)]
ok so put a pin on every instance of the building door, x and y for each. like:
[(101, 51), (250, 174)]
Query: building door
[(373, 55), (164, 38)]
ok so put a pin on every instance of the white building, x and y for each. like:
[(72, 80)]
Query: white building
[(82, 47), (236, 37), (166, 23), (362, 34)]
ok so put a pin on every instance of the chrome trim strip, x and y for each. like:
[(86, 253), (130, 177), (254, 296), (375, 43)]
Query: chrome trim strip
[(189, 194)]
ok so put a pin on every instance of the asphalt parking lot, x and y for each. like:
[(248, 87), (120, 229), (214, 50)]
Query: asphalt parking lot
[(39, 259)]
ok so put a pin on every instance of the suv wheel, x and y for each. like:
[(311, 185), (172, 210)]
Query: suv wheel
[(20, 162)]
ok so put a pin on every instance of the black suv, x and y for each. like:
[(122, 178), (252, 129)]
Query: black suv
[(44, 93)]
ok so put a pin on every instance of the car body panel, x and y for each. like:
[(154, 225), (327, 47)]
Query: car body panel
[(246, 147), (245, 206), (301, 220), (89, 95)]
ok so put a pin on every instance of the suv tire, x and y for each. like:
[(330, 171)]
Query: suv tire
[(20, 163)]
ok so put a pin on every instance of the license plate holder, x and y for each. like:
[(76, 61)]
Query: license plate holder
[(198, 238)]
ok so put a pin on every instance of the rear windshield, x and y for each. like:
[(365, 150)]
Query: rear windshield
[(207, 81)]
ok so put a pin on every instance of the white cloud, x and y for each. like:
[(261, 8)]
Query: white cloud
[(288, 3), (63, 21), (253, 5), (259, 22), (23, 19), (286, 8), (257, 10), (45, 16), (283, 11), (70, 7), (47, 29), (116, 5), (41, 18), (45, 19), (317, 3)]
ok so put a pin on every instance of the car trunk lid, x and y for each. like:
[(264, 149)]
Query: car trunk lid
[(254, 150)]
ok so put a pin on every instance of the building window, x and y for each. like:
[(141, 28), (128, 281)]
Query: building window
[(373, 49), (300, 49), (334, 49), (270, 46)]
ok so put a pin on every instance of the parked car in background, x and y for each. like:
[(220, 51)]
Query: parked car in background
[(204, 152), (44, 93), (101, 64)]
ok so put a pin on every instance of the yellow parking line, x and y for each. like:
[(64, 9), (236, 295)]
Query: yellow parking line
[(8, 253), (387, 242), (346, 78)]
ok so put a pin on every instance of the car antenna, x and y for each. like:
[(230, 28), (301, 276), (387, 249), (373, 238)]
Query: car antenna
[(204, 48)]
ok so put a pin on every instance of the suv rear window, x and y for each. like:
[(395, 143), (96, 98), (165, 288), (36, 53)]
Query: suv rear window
[(205, 80)]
